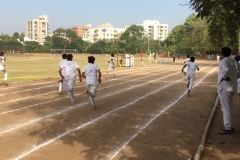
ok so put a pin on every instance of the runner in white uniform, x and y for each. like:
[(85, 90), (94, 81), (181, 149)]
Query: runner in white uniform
[(111, 64), (127, 57), (186, 62), (90, 72), (69, 79), (2, 67), (132, 60), (191, 71), (64, 60)]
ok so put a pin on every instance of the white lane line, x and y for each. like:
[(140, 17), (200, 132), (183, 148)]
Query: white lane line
[(88, 123), (76, 106), (55, 81), (156, 116), (27, 97), (14, 110), (125, 70), (27, 85), (57, 84)]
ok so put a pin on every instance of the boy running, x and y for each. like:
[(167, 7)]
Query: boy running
[(90, 72), (69, 79), (64, 60), (191, 71), (111, 64), (186, 61)]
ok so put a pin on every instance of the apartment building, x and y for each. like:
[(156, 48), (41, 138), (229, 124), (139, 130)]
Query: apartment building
[(81, 29), (103, 32), (154, 30), (37, 29)]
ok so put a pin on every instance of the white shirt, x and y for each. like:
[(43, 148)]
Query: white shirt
[(3, 59), (61, 63), (127, 56), (111, 59), (90, 71), (187, 60), (70, 68), (192, 68), (132, 57), (227, 68)]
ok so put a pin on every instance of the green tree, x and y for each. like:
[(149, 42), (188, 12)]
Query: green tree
[(32, 46), (132, 39), (223, 17), (15, 35)]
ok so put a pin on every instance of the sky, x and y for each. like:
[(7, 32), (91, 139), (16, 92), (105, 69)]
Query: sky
[(68, 13)]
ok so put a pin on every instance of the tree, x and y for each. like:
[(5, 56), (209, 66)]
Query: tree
[(15, 35), (32, 46), (21, 36), (132, 39), (223, 17)]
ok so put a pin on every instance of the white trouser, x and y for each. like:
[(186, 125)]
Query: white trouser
[(92, 88), (132, 63), (127, 62), (68, 84), (190, 78), (226, 100), (111, 67), (2, 68), (60, 84)]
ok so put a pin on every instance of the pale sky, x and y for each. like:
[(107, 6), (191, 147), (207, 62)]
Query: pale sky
[(68, 13)]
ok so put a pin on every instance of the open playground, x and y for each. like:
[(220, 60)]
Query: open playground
[(143, 113)]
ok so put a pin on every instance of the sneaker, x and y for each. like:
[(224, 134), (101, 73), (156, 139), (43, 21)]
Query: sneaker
[(224, 131)]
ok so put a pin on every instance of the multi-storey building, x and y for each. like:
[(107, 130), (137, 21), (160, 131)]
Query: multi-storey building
[(81, 29), (37, 29), (154, 30), (104, 31)]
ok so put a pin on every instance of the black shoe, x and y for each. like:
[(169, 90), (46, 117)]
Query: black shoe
[(231, 129), (224, 131)]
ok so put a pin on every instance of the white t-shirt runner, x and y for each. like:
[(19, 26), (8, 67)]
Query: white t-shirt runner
[(70, 68), (111, 60), (90, 71), (192, 68), (61, 63)]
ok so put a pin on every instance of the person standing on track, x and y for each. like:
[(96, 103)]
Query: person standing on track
[(2, 67), (132, 60), (111, 64), (191, 71), (64, 60), (226, 87), (90, 72), (69, 79)]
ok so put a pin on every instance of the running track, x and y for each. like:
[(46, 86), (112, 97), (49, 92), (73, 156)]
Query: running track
[(37, 123)]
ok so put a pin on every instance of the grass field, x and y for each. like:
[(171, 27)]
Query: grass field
[(34, 68)]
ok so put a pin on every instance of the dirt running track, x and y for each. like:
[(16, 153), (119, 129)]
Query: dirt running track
[(143, 113)]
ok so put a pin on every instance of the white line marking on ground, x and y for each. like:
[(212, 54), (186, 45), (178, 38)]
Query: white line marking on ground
[(76, 94), (88, 123), (27, 97), (156, 116)]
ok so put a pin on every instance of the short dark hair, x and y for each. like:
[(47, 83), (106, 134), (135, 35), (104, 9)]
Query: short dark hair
[(64, 56), (112, 55), (192, 59), (91, 59), (226, 51), (187, 56), (69, 57), (1, 53)]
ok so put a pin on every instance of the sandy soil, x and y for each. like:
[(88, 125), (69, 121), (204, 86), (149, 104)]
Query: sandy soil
[(143, 113)]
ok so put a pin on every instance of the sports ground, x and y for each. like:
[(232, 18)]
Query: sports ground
[(143, 113)]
